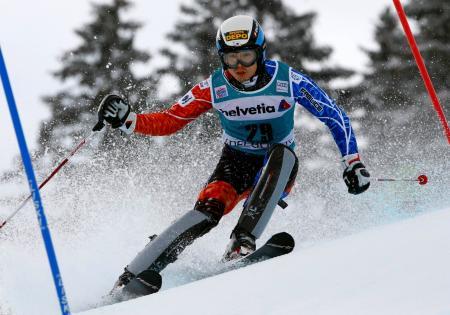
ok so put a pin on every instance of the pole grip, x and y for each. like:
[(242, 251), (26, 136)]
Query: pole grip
[(99, 125)]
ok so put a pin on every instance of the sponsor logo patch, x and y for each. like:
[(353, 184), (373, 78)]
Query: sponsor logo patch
[(254, 145), (295, 77), (311, 99), (282, 86), (283, 106), (221, 91), (204, 85), (186, 99), (254, 110), (236, 35)]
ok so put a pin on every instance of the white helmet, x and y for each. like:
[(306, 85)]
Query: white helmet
[(240, 32)]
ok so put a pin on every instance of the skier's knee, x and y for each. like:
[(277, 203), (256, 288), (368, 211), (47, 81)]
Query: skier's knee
[(213, 208), (217, 198), (281, 149)]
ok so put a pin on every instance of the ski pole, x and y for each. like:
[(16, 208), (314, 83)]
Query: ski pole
[(422, 179), (53, 173)]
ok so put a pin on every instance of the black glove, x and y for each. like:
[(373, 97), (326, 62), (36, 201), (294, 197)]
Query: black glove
[(114, 110), (356, 177)]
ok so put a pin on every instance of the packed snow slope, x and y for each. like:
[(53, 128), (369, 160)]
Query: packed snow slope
[(400, 268), (102, 207)]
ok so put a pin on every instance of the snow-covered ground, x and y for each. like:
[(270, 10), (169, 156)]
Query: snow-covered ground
[(400, 268), (382, 252)]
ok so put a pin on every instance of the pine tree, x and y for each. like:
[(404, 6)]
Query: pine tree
[(394, 80), (193, 57), (392, 71), (400, 117), (290, 39), (433, 20), (101, 64)]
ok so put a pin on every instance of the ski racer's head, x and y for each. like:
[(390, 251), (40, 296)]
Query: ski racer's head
[(241, 45)]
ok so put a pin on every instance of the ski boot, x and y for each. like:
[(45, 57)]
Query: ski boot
[(241, 244), (145, 283)]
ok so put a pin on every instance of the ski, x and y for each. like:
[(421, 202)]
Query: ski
[(150, 282)]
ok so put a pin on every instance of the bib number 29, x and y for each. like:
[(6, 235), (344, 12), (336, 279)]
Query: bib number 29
[(264, 129)]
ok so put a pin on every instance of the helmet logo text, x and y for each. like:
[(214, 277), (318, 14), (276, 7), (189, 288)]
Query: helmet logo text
[(236, 35)]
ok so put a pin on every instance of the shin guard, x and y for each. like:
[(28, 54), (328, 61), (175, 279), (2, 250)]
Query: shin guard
[(268, 190), (166, 247)]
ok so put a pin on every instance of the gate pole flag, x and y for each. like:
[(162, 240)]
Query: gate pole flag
[(423, 70), (45, 231)]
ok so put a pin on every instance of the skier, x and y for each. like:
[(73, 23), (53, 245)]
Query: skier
[(255, 99)]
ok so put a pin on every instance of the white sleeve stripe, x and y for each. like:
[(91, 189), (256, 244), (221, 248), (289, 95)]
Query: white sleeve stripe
[(343, 126), (291, 85), (348, 141), (306, 80), (347, 137), (337, 122), (178, 117), (338, 111), (335, 108)]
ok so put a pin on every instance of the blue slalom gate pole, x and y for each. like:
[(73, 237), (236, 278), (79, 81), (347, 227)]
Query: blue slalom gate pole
[(34, 188)]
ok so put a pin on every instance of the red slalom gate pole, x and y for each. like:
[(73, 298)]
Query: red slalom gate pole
[(422, 68), (49, 177)]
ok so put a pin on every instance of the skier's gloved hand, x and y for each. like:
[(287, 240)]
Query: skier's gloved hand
[(115, 111), (356, 177)]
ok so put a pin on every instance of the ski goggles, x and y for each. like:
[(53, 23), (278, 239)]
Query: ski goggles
[(245, 57)]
